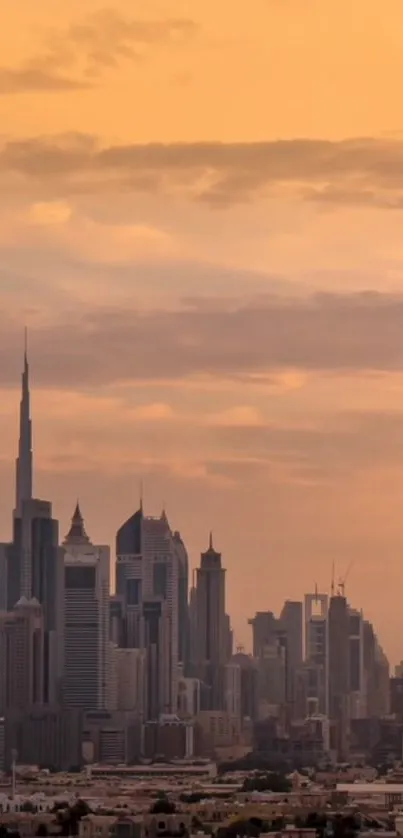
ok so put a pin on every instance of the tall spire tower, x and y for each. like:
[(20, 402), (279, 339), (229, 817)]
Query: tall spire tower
[(23, 466)]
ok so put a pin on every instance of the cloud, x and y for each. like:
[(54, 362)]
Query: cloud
[(50, 213), (106, 38), (236, 417), (353, 171), (345, 444), (29, 78), (78, 58), (105, 344), (249, 341)]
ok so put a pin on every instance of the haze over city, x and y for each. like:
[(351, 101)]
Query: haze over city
[(200, 225)]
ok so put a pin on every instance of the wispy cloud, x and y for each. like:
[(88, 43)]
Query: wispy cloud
[(79, 57), (31, 76)]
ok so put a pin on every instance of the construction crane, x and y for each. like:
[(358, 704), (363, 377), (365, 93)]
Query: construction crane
[(341, 588), (332, 581)]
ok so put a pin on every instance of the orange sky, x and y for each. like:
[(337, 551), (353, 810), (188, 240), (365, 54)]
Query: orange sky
[(196, 198)]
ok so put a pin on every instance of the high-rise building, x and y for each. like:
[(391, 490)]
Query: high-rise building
[(291, 630), (5, 549), (21, 656), (264, 630), (188, 697), (34, 563), (316, 607), (129, 576), (132, 680), (357, 696), (183, 602), (193, 652), (339, 668), (161, 580), (376, 674), (229, 637), (86, 620), (382, 676), (212, 625), (249, 684), (45, 736), (156, 639), (151, 579), (18, 558), (117, 620), (36, 538), (272, 679), (23, 488), (232, 686)]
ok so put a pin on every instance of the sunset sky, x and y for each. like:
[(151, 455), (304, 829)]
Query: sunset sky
[(201, 223)]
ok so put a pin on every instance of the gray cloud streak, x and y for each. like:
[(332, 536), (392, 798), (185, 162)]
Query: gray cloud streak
[(356, 171), (30, 77), (350, 333)]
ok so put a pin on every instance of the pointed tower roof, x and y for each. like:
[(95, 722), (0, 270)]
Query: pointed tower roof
[(129, 535), (211, 558), (76, 533)]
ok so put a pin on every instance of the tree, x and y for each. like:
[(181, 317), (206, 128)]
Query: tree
[(69, 819), (250, 828), (27, 806), (271, 781), (163, 806)]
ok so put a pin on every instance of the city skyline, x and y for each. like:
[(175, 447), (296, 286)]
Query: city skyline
[(203, 235), (138, 539), (156, 659)]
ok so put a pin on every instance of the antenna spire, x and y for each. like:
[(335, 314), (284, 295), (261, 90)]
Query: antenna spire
[(23, 466)]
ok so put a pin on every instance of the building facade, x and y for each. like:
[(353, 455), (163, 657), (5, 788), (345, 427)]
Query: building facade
[(86, 620), (212, 646)]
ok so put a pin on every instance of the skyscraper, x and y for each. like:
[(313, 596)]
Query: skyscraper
[(4, 559), (129, 576), (132, 680), (264, 629), (18, 568), (86, 620), (357, 709), (23, 483), (291, 628), (211, 625), (34, 566), (183, 602), (156, 640), (316, 653), (151, 579), (339, 667), (160, 582), (21, 656), (35, 552)]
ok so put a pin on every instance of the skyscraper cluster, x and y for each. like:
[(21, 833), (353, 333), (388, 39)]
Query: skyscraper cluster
[(320, 661), (89, 676)]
